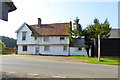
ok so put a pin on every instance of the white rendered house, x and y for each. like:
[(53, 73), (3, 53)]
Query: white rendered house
[(49, 39)]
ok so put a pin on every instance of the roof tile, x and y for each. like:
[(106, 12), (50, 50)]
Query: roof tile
[(56, 29)]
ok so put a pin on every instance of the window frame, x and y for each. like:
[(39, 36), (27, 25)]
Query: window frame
[(24, 49), (62, 38), (24, 33), (79, 48), (46, 48), (64, 48), (45, 39), (35, 38)]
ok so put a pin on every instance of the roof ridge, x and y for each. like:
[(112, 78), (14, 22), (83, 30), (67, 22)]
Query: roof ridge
[(50, 24)]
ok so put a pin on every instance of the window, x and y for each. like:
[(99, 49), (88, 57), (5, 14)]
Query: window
[(24, 48), (46, 48), (64, 48), (24, 35), (62, 38), (46, 39), (79, 49), (37, 50), (35, 38)]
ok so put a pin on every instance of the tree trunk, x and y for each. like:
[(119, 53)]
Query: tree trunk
[(98, 47), (87, 52)]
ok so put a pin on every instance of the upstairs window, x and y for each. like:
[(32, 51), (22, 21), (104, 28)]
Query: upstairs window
[(46, 48), (46, 39), (62, 38), (24, 35), (64, 48), (35, 38), (24, 48)]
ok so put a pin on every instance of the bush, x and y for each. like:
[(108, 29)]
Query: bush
[(9, 52)]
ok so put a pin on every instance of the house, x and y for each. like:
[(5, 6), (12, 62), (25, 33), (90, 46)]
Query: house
[(6, 6), (110, 46), (47, 39), (77, 48)]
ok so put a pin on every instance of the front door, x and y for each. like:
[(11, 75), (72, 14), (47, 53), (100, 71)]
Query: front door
[(36, 50)]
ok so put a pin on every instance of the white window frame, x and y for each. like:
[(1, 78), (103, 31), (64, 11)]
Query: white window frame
[(64, 48), (46, 39), (79, 48), (46, 48), (26, 48), (24, 33), (62, 38), (35, 38)]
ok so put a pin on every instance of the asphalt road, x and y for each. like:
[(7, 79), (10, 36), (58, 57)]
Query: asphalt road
[(55, 69)]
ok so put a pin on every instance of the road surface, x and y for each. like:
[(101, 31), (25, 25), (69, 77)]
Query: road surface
[(42, 68)]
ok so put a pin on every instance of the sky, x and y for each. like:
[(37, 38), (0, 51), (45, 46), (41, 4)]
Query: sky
[(59, 11)]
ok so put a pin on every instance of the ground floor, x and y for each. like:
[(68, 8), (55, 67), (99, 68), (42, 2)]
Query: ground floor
[(44, 49), (51, 50)]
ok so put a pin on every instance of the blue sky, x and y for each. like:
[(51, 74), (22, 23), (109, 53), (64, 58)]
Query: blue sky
[(58, 12)]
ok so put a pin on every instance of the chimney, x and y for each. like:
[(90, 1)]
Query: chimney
[(39, 21)]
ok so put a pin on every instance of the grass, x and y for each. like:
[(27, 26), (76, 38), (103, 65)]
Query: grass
[(94, 60)]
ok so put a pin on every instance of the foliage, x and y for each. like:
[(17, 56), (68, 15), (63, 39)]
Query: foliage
[(92, 31), (102, 29), (76, 32), (87, 39), (2, 46), (9, 42)]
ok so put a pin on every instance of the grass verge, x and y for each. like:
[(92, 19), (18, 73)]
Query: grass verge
[(94, 60)]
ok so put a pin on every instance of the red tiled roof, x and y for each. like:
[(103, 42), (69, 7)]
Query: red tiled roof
[(57, 29)]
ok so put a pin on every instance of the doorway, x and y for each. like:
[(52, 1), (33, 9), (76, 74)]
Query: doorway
[(37, 50)]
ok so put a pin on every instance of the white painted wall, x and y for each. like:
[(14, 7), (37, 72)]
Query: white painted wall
[(54, 50), (28, 37), (74, 51), (40, 40)]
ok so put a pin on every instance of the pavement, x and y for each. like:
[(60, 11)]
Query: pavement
[(35, 66)]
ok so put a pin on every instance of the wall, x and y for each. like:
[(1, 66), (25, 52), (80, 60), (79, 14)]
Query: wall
[(74, 51), (40, 40), (0, 10), (56, 45), (54, 50), (109, 47), (3, 11)]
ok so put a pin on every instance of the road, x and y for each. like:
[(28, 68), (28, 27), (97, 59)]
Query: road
[(41, 68)]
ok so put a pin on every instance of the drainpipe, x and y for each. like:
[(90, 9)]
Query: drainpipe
[(69, 48)]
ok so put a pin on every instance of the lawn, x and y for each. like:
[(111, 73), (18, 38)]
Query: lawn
[(94, 60)]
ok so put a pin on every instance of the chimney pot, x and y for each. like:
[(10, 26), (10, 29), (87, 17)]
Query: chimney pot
[(39, 21)]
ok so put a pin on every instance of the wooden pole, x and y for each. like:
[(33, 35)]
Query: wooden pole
[(98, 47)]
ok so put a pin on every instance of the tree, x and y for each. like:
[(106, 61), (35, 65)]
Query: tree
[(102, 31), (76, 32), (88, 33), (97, 30), (2, 46), (9, 42)]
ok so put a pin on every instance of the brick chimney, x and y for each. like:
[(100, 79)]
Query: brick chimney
[(39, 21)]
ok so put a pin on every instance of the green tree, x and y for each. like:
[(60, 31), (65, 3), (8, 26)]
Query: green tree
[(2, 46), (76, 32), (102, 31), (88, 33), (97, 30)]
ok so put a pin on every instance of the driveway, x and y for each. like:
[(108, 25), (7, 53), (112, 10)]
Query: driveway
[(35, 66)]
